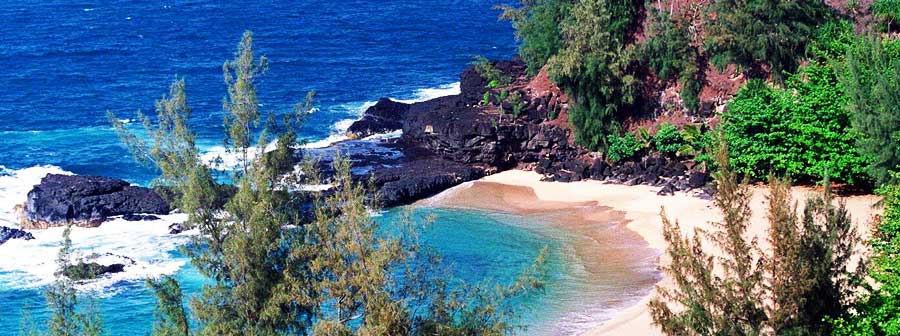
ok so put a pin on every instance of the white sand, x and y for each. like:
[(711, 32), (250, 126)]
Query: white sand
[(642, 205)]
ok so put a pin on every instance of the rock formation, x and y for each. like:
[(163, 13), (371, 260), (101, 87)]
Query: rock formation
[(86, 201)]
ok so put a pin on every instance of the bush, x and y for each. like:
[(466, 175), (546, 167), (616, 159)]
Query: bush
[(622, 148), (668, 140), (803, 131), (878, 313), (886, 11)]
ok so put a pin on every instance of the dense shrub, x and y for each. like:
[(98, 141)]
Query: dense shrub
[(803, 130), (623, 147), (668, 140), (878, 313)]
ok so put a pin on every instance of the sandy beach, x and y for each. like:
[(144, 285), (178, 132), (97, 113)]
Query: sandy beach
[(637, 207)]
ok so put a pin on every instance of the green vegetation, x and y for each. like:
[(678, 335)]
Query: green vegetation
[(755, 35), (878, 312), (669, 53), (668, 140), (595, 67), (887, 12), (67, 316), (802, 131), (624, 147), (789, 291), (537, 24), (276, 270), (171, 317), (871, 77)]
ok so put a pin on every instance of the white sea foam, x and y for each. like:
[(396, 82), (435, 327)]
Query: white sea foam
[(222, 158), (431, 93), (31, 263), (15, 185), (339, 129)]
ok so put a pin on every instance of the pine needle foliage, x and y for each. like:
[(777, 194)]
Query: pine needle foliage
[(794, 290), (758, 34), (538, 29), (871, 78), (277, 270), (69, 317), (595, 66), (171, 316)]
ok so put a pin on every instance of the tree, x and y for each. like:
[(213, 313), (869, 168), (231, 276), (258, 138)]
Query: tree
[(793, 290), (66, 318), (871, 77), (538, 25), (277, 269), (242, 105), (755, 34), (595, 67), (668, 51), (171, 317)]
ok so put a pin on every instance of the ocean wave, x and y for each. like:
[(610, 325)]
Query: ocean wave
[(339, 129), (431, 93), (30, 263), (15, 185)]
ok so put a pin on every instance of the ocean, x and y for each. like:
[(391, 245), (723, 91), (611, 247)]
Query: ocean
[(70, 62)]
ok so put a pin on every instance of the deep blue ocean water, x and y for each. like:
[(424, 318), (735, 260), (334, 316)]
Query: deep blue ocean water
[(66, 63)]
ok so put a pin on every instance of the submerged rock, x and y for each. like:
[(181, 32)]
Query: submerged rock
[(86, 201), (136, 217), (91, 270), (7, 233)]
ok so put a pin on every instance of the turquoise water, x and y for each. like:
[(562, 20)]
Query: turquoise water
[(477, 247), (68, 63)]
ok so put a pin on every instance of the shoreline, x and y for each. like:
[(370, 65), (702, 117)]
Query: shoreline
[(639, 207)]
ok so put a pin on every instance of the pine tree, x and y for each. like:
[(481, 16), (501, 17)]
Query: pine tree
[(61, 295), (714, 295), (755, 34), (68, 317), (242, 105), (872, 81), (595, 67), (793, 290), (171, 317), (538, 25)]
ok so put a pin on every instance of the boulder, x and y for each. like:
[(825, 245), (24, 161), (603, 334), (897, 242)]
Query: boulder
[(86, 201), (136, 217), (420, 179), (7, 233), (383, 117)]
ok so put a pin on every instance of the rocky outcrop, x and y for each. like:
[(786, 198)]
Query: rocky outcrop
[(420, 179), (7, 233), (383, 117), (86, 201)]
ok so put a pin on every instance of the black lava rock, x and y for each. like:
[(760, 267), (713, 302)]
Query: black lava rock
[(7, 233), (87, 201)]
